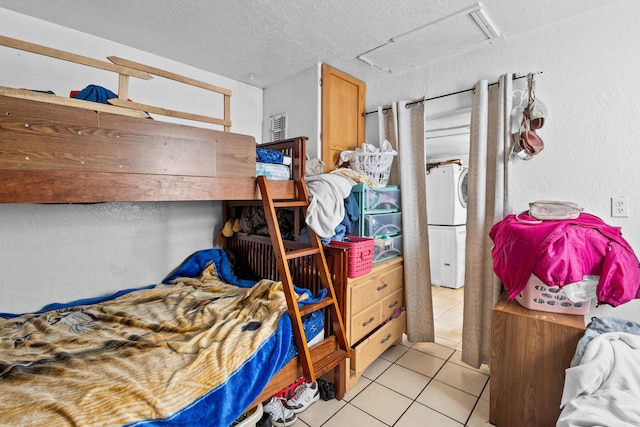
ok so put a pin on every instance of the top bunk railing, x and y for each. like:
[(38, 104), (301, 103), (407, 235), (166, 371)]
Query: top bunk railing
[(125, 69)]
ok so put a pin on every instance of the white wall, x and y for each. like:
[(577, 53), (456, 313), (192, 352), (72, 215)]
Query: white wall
[(589, 84), (299, 97), (64, 252)]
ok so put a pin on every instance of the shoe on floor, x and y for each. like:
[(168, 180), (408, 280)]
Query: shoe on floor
[(280, 416), (265, 421), (304, 395)]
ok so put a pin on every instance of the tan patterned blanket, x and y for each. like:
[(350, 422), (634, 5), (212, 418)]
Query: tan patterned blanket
[(144, 355)]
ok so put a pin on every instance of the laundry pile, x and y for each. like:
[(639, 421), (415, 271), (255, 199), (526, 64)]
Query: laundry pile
[(562, 252)]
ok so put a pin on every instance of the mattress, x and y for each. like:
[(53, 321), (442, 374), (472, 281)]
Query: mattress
[(197, 348)]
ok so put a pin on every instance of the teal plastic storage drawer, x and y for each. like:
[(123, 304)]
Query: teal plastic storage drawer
[(387, 224), (377, 200)]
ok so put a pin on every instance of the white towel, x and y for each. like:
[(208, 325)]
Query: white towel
[(326, 208)]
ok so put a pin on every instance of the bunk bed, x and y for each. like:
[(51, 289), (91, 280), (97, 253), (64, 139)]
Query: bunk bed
[(63, 154)]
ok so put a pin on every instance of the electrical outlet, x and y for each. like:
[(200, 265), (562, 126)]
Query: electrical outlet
[(620, 206)]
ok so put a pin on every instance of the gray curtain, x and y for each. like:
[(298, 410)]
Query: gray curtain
[(403, 126), (488, 202)]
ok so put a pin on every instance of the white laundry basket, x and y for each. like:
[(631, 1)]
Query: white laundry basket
[(375, 165)]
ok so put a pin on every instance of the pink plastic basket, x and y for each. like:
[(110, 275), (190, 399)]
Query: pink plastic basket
[(539, 296), (360, 254)]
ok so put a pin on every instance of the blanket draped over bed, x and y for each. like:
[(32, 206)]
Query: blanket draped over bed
[(602, 386), (160, 355)]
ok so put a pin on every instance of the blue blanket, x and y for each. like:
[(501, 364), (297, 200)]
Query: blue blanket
[(154, 349)]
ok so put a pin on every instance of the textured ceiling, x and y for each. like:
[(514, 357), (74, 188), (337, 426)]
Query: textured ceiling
[(261, 42)]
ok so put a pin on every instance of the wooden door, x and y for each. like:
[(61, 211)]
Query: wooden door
[(343, 104)]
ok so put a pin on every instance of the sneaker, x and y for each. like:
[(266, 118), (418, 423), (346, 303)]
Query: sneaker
[(280, 416), (304, 395)]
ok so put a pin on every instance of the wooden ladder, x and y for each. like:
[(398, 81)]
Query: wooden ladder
[(310, 369)]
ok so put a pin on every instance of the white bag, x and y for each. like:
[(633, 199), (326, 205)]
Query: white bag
[(550, 209)]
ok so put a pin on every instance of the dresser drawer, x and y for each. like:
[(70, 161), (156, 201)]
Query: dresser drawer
[(364, 322), (369, 350), (391, 303), (379, 284)]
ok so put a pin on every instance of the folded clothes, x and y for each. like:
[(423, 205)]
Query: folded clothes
[(267, 155)]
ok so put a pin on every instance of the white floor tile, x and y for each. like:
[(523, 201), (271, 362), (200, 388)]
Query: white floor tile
[(422, 363), (480, 415), (462, 378), (394, 352), (376, 368), (446, 390), (457, 359), (362, 383), (349, 415), (448, 331), (318, 413), (420, 415), (453, 345), (382, 403), (452, 318), (458, 308), (404, 381), (448, 400), (434, 349), (485, 393)]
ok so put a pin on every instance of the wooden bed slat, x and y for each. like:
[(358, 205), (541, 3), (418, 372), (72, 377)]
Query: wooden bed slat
[(72, 57), (32, 186)]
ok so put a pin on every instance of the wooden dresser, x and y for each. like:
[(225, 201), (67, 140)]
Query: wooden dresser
[(530, 351), (370, 301)]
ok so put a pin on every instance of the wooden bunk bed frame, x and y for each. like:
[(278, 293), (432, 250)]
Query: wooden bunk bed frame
[(63, 154)]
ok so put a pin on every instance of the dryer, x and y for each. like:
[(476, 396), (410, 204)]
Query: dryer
[(447, 195)]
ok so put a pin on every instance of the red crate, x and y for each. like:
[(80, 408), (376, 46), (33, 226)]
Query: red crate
[(360, 254)]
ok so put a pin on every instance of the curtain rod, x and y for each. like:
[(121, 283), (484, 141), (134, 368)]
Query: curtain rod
[(423, 99)]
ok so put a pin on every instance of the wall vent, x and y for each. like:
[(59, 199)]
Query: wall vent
[(278, 127)]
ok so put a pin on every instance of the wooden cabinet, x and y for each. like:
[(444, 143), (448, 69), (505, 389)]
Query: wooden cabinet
[(370, 302), (530, 351)]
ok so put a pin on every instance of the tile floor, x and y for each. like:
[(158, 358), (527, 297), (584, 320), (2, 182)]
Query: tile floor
[(415, 384)]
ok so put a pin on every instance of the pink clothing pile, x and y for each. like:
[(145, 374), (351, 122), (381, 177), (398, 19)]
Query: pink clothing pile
[(561, 252)]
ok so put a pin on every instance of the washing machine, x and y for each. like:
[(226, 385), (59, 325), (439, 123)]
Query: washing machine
[(447, 195), (446, 255)]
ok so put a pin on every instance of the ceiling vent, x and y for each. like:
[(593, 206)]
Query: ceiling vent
[(278, 127), (472, 29)]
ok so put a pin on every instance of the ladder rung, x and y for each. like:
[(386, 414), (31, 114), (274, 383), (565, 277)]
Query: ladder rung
[(299, 253), (310, 308), (331, 361), (290, 203)]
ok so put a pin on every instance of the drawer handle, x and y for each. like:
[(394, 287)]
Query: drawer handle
[(385, 339), (393, 304), (368, 321), (382, 287)]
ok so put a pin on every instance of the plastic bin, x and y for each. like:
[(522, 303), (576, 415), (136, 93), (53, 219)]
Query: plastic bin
[(377, 200), (386, 247), (360, 254), (388, 224), (539, 296)]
